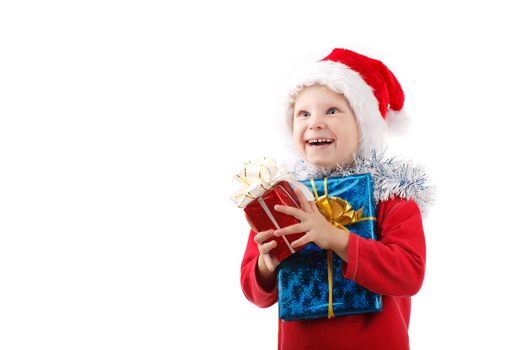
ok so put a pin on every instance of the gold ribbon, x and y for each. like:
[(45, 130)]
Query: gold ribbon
[(340, 214)]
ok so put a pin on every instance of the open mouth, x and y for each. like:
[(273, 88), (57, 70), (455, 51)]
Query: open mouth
[(319, 142)]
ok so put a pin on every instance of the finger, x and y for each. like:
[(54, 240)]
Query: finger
[(269, 262), (263, 236), (265, 248), (314, 207), (274, 260), (295, 212), (301, 241), (302, 200), (296, 228)]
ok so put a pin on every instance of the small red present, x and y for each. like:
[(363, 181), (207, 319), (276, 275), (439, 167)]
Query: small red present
[(264, 186), (263, 217)]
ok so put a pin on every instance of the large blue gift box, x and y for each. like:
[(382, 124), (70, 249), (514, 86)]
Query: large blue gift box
[(303, 278)]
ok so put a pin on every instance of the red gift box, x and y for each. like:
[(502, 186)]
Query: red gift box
[(263, 217)]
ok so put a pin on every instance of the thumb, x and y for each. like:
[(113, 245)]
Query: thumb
[(271, 262)]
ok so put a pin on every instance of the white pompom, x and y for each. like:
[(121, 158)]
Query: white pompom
[(398, 122)]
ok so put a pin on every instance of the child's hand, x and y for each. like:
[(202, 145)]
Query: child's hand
[(270, 262), (317, 229)]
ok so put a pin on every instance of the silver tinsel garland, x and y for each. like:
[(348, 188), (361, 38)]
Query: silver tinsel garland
[(392, 177)]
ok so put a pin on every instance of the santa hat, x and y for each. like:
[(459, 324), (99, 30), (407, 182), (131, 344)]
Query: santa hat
[(372, 90)]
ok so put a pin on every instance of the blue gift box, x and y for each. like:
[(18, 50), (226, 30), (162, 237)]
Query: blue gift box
[(302, 279)]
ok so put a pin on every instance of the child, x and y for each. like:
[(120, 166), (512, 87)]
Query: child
[(339, 110)]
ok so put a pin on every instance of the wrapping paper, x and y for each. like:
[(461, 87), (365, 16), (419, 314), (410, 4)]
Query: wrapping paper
[(303, 278), (263, 185), (262, 217)]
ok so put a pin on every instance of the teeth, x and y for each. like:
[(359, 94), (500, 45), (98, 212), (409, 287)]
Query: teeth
[(314, 141)]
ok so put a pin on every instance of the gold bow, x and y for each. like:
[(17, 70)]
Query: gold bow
[(340, 214)]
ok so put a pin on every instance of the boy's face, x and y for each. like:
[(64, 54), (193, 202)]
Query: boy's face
[(325, 131)]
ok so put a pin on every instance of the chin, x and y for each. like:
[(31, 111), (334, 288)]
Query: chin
[(321, 164)]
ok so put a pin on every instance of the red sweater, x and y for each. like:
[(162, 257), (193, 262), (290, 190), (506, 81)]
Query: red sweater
[(393, 266)]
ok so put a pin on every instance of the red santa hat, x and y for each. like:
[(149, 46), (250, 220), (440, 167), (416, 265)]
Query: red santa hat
[(372, 90)]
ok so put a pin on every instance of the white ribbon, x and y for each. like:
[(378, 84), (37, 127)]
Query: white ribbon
[(256, 178), (259, 176)]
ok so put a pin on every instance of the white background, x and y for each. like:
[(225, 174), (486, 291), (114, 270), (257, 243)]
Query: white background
[(122, 122)]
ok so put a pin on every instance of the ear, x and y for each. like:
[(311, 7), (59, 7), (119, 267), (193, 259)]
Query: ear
[(290, 115)]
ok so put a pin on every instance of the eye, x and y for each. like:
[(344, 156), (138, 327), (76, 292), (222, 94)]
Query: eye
[(303, 114), (332, 110)]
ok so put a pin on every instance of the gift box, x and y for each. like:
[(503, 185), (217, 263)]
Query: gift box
[(265, 185), (263, 217), (311, 282)]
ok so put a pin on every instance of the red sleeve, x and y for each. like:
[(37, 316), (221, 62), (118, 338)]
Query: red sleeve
[(249, 284), (395, 264)]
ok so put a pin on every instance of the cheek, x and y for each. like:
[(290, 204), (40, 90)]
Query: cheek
[(353, 132), (348, 140), (297, 136), (356, 136)]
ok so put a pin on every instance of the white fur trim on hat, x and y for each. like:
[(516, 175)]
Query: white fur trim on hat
[(342, 79)]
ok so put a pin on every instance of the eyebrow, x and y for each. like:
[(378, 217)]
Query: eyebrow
[(326, 106)]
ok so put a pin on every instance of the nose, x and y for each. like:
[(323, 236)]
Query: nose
[(316, 122)]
